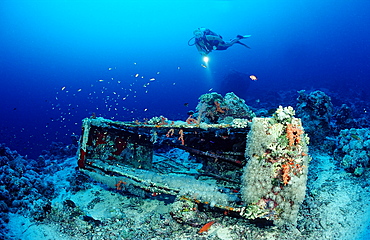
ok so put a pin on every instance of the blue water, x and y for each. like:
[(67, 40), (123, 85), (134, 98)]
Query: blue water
[(63, 60)]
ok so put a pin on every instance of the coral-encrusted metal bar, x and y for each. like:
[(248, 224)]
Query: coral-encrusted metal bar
[(274, 180)]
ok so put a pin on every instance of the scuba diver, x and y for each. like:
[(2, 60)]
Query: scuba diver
[(205, 40)]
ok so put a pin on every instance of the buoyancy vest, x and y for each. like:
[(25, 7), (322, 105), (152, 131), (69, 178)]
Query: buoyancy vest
[(207, 45)]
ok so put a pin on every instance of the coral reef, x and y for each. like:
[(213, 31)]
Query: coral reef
[(315, 110), (353, 150), (23, 187), (213, 108), (60, 150)]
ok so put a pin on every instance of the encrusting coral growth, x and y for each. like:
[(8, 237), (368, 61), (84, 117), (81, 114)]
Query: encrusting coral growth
[(213, 108), (274, 179), (293, 134)]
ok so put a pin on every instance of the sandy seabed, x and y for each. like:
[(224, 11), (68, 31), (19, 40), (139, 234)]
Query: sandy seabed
[(336, 207)]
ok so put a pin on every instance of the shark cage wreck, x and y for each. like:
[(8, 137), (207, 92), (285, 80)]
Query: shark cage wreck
[(221, 158)]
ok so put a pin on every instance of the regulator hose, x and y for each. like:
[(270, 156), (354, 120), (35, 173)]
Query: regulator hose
[(191, 44)]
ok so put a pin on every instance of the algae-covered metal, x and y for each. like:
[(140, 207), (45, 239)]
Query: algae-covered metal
[(204, 163)]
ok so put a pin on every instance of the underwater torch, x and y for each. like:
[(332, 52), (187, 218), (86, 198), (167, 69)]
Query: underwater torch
[(205, 59)]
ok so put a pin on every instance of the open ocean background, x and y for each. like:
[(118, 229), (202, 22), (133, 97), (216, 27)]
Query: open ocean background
[(62, 61)]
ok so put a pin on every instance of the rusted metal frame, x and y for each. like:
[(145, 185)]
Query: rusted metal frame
[(152, 187), (208, 154)]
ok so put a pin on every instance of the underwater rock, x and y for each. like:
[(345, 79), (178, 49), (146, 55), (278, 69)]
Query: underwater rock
[(186, 212), (3, 207), (353, 149), (4, 219), (7, 153), (344, 119), (91, 220), (237, 107), (214, 108), (69, 203), (315, 110), (23, 188), (59, 150), (78, 182)]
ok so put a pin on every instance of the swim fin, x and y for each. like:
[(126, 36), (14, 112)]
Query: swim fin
[(245, 36), (242, 44)]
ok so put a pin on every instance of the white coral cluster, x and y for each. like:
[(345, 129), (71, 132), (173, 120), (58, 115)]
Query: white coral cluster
[(240, 123), (259, 177), (154, 121), (284, 114)]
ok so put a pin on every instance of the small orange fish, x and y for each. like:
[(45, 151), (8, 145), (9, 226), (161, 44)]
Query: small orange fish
[(206, 227), (253, 77)]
